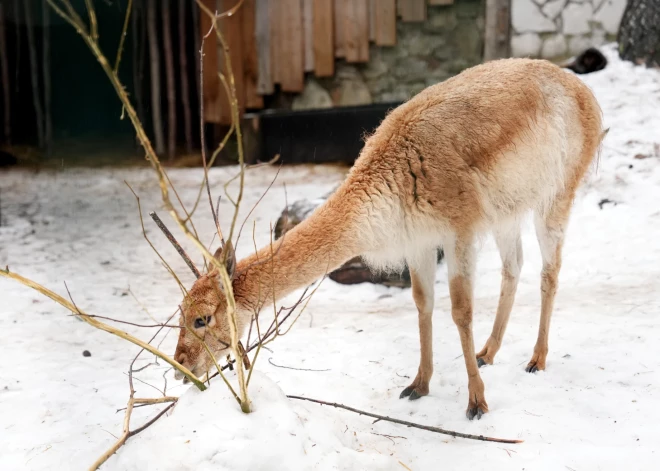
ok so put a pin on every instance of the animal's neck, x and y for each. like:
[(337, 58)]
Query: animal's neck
[(333, 234)]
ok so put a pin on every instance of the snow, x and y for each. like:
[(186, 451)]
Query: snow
[(593, 408)]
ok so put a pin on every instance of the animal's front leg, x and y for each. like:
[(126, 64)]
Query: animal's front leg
[(423, 277)]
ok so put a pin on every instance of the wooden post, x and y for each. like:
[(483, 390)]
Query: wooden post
[(498, 29)]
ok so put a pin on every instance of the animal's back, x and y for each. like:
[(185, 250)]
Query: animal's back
[(490, 143)]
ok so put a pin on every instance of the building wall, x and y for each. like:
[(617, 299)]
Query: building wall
[(450, 40), (554, 29)]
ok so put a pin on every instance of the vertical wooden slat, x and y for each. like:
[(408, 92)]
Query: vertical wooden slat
[(275, 10), (339, 28), (211, 82), (412, 10), (385, 19), (250, 61), (308, 28), (324, 43), (291, 54), (372, 19), (231, 27), (497, 37), (263, 38), (356, 30)]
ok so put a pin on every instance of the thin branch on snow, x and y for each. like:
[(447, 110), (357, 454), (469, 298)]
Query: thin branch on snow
[(409, 424)]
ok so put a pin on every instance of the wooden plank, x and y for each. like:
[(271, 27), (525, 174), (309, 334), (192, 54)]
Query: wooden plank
[(308, 28), (412, 10), (290, 53), (372, 19), (210, 80), (275, 11), (497, 37), (231, 28), (264, 77), (356, 30), (385, 19), (324, 42), (250, 60), (441, 2), (339, 28)]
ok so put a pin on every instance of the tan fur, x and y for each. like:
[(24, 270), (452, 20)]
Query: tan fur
[(465, 157)]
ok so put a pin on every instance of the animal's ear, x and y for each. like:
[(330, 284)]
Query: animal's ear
[(226, 252)]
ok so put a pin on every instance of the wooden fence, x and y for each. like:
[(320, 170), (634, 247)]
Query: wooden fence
[(275, 42)]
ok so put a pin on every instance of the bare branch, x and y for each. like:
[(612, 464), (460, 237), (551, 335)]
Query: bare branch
[(409, 424), (174, 242)]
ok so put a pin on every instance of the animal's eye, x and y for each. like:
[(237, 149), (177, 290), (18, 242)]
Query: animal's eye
[(201, 322)]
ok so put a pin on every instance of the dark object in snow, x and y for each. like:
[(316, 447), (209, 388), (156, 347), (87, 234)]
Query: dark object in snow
[(589, 61), (605, 201), (7, 159), (86, 353), (353, 271)]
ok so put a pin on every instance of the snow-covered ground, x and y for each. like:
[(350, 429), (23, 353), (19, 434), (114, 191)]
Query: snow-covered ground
[(593, 408)]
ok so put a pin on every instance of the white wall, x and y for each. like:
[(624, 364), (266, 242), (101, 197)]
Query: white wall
[(560, 28)]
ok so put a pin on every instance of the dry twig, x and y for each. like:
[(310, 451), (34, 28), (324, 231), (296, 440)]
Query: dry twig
[(409, 424)]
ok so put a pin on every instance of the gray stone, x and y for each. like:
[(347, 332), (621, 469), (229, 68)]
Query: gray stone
[(526, 45), (526, 17), (375, 68), (353, 92), (578, 44), (576, 17), (314, 96), (554, 46), (553, 8), (609, 15), (441, 20), (410, 67)]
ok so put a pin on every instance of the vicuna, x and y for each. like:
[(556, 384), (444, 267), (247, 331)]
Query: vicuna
[(465, 157)]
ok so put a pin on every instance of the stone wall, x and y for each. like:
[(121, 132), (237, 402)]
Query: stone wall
[(556, 29), (450, 40)]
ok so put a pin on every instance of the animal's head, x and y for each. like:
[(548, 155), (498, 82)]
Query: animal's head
[(204, 319)]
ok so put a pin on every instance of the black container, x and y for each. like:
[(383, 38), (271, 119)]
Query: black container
[(311, 136)]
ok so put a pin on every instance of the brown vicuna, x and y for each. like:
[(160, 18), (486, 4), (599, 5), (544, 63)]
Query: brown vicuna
[(465, 157)]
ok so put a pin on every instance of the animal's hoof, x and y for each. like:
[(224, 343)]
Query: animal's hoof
[(481, 362), (411, 393), (532, 368), (474, 412)]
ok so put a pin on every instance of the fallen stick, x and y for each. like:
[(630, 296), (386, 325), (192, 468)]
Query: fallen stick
[(409, 424)]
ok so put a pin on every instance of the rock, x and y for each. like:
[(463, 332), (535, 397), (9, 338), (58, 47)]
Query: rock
[(589, 61), (86, 353), (524, 45), (352, 89), (609, 14), (313, 97), (353, 271), (554, 46), (553, 8), (577, 44), (526, 17), (576, 17)]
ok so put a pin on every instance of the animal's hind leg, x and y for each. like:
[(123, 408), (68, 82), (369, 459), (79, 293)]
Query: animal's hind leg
[(550, 230), (510, 246), (423, 278), (460, 255)]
